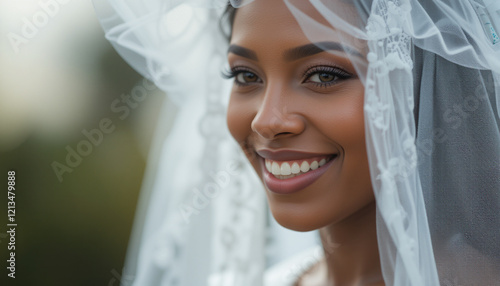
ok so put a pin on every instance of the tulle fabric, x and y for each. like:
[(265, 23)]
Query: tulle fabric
[(464, 220), (431, 71)]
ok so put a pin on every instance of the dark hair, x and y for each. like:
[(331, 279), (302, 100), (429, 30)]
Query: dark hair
[(227, 21)]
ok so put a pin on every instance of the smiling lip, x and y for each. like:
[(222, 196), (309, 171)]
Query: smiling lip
[(294, 184), (287, 155)]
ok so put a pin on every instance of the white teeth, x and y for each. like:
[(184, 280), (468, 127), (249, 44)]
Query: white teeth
[(322, 162), (276, 169), (295, 168), (314, 165), (285, 169), (285, 177), (268, 166), (304, 167)]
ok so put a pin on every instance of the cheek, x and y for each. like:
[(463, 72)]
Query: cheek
[(355, 171), (240, 114), (237, 124), (342, 119), (239, 121), (351, 127), (348, 130)]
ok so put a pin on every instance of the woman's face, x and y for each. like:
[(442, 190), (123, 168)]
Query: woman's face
[(297, 112)]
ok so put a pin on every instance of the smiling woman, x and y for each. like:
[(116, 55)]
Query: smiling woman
[(296, 105), (334, 104), (297, 111)]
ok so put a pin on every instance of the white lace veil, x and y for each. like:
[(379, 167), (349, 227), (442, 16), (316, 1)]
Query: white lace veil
[(431, 71)]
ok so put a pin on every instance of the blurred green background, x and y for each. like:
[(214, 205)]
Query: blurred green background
[(60, 82)]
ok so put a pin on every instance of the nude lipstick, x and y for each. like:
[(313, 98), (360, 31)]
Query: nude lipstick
[(287, 172)]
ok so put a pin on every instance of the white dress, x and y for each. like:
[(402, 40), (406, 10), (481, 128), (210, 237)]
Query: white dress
[(284, 273), (287, 272)]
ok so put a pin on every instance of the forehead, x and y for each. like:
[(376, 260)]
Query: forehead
[(269, 28), (271, 20)]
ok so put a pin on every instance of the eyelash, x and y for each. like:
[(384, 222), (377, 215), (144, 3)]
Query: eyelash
[(338, 73), (234, 72)]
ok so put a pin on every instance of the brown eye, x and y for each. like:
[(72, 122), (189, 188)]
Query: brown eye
[(322, 77), (247, 77), (325, 76)]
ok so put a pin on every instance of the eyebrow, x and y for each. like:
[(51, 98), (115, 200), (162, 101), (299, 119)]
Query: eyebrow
[(297, 52), (243, 52), (316, 48)]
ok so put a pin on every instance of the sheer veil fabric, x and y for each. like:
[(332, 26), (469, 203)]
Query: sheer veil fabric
[(431, 71)]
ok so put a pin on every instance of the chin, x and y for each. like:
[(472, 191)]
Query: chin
[(304, 216), (299, 218)]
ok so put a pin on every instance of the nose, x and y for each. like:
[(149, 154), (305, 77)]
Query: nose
[(275, 117)]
